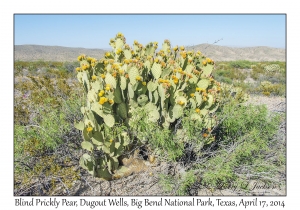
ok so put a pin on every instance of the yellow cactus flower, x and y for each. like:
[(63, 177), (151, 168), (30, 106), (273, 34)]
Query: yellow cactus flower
[(176, 82), (118, 52), (126, 61), (80, 57), (94, 77), (136, 42), (204, 135), (78, 69), (119, 34), (144, 83), (105, 62), (121, 71), (175, 48), (183, 54), (138, 78), (182, 48), (89, 129), (102, 76), (180, 102), (198, 89), (197, 110), (101, 93), (204, 98), (204, 63), (160, 80), (192, 94), (156, 60), (102, 100), (111, 101), (111, 140), (107, 87)]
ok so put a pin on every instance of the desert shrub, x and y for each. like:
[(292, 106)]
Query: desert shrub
[(245, 139), (267, 88)]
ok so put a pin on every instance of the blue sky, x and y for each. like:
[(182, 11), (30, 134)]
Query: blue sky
[(95, 31)]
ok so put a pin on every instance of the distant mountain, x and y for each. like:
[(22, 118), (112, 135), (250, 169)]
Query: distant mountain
[(216, 52), (53, 53), (222, 53)]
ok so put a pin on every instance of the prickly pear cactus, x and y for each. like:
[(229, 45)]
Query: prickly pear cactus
[(163, 83)]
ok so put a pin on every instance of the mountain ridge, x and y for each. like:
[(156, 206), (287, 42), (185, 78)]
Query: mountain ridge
[(216, 52)]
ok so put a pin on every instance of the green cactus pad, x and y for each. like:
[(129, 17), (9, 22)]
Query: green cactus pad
[(92, 95), (109, 120), (130, 91), (97, 85), (119, 43), (109, 79), (198, 98), (133, 73), (165, 73), (176, 111), (156, 70), (127, 54), (107, 109), (97, 138), (142, 100), (118, 95), (189, 68), (87, 145), (203, 83), (152, 86), (209, 101), (122, 110), (194, 79), (97, 108), (85, 81), (183, 99), (79, 125), (112, 164), (141, 89), (203, 112), (207, 70), (147, 65), (192, 102), (123, 83), (87, 163), (155, 97)]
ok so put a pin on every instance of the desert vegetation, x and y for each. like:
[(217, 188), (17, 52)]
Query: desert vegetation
[(138, 109)]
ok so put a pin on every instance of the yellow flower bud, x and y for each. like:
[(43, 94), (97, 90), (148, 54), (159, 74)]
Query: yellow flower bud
[(102, 100), (89, 129), (101, 93)]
